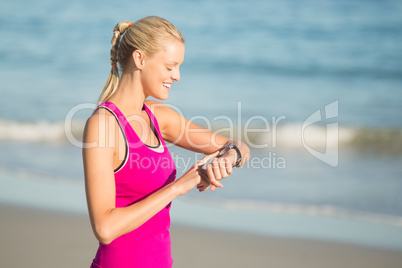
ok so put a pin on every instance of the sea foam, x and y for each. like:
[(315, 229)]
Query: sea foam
[(288, 136)]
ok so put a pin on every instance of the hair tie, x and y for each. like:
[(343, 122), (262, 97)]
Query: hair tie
[(129, 25), (113, 64)]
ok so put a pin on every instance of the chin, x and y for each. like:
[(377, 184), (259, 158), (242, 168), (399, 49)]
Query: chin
[(162, 97)]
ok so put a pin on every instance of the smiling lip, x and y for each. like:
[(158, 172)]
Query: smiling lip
[(167, 85)]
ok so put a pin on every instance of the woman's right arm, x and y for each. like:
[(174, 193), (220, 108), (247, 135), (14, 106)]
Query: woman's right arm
[(109, 222)]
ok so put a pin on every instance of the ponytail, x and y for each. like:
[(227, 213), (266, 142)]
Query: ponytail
[(113, 80), (146, 34)]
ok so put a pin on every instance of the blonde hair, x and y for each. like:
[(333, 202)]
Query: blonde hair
[(146, 34)]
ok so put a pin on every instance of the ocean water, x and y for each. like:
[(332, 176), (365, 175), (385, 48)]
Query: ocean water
[(314, 88)]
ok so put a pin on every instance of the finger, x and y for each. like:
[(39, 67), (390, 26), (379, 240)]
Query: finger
[(210, 173), (229, 168), (203, 187), (213, 187), (217, 169), (203, 175), (222, 167), (206, 158), (204, 181), (211, 176)]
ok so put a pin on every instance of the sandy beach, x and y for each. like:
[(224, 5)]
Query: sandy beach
[(38, 238)]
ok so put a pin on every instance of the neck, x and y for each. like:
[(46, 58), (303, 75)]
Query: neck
[(129, 96)]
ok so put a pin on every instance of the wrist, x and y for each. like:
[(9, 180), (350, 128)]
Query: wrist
[(176, 189), (232, 155), (237, 154)]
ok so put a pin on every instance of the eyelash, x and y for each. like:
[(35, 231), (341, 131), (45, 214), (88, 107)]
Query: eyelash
[(169, 69)]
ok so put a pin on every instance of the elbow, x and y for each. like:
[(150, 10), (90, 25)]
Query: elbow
[(103, 235), (104, 228)]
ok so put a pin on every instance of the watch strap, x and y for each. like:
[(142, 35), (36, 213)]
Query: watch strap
[(232, 146)]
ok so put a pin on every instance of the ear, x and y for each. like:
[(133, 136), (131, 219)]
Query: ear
[(138, 58)]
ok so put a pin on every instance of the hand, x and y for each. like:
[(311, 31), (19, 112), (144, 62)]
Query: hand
[(220, 168), (195, 176)]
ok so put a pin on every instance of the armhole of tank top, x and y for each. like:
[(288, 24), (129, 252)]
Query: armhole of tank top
[(153, 128), (123, 163)]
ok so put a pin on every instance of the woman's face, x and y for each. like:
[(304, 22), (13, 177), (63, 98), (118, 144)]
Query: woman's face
[(162, 69)]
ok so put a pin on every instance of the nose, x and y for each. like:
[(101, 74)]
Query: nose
[(176, 75)]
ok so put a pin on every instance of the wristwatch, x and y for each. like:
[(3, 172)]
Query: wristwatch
[(232, 146)]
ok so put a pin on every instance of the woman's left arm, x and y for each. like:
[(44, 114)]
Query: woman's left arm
[(175, 128)]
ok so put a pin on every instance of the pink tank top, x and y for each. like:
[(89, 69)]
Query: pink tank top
[(142, 172)]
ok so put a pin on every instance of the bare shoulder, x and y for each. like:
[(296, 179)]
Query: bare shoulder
[(99, 125), (99, 118)]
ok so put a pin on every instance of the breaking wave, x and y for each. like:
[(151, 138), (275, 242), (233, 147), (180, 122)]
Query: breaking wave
[(290, 136), (40, 131)]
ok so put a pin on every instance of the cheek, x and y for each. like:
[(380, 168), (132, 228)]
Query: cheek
[(151, 80), (153, 76), (152, 72)]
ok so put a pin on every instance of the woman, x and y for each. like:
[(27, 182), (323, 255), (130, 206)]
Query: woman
[(129, 173)]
